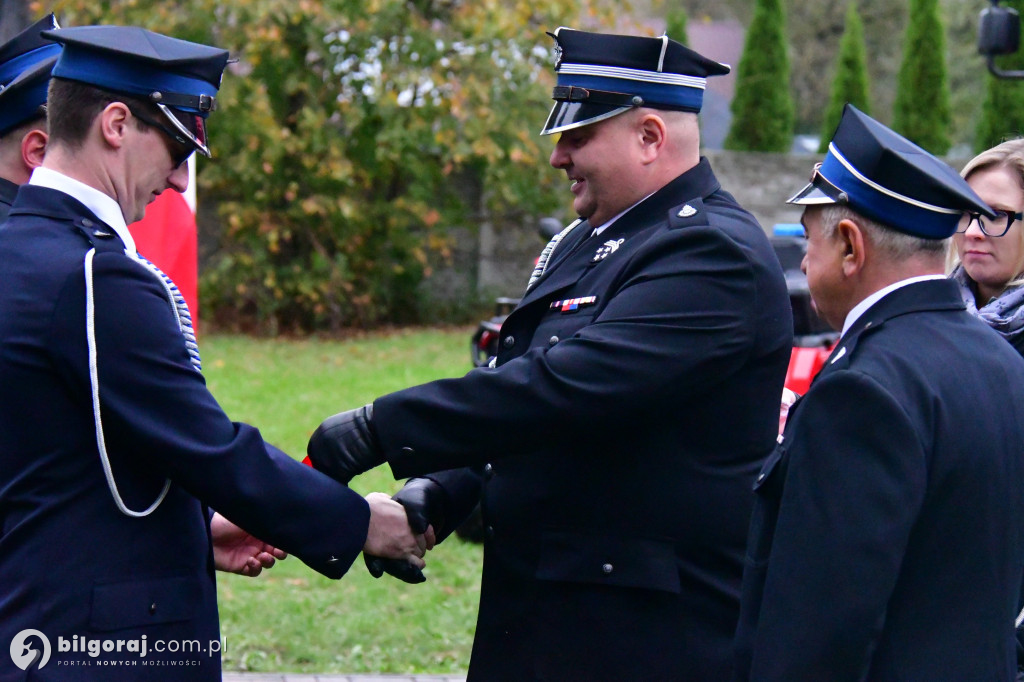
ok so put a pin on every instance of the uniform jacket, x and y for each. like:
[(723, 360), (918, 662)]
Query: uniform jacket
[(635, 396), (886, 541), (8, 190), (71, 564)]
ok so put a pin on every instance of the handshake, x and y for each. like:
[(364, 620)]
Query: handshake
[(346, 445)]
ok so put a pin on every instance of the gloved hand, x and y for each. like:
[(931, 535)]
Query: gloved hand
[(345, 445), (423, 500)]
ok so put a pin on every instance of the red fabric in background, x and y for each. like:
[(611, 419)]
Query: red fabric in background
[(167, 237)]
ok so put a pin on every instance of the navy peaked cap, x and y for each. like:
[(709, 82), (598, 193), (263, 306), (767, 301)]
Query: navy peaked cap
[(134, 61), (180, 77), (27, 49), (24, 98), (889, 179), (25, 63), (601, 75)]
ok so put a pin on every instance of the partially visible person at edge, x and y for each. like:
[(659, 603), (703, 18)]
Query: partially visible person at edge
[(987, 255), (26, 61), (630, 406), (23, 106), (112, 450), (887, 540), (986, 259)]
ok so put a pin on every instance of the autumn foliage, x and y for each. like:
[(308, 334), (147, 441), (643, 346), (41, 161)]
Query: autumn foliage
[(352, 137)]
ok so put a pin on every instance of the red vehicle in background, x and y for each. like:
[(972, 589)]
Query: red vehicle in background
[(813, 340)]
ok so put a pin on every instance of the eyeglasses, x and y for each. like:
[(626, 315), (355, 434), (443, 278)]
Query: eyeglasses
[(994, 227), (184, 149)]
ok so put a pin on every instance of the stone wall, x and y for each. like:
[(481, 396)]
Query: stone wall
[(762, 182), (504, 253)]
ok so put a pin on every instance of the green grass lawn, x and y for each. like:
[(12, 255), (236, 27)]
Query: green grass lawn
[(292, 619)]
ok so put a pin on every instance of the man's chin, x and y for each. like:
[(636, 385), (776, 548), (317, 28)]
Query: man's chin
[(584, 211)]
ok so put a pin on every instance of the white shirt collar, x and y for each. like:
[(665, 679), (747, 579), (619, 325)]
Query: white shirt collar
[(874, 298), (103, 206), (607, 224)]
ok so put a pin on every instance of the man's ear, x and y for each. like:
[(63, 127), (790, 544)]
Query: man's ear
[(33, 147), (851, 239), (653, 135), (114, 121)]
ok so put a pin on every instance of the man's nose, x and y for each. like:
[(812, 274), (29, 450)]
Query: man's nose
[(559, 158), (178, 179)]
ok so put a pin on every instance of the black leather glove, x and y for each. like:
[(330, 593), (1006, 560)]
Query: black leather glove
[(423, 500), (346, 445)]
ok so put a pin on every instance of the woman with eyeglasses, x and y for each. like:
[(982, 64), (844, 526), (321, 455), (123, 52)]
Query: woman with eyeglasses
[(987, 255), (987, 258)]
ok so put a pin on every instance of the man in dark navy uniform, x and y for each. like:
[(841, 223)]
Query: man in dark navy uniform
[(112, 450), (886, 541), (632, 402), (25, 63)]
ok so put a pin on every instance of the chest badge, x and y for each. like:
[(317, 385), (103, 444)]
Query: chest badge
[(571, 305), (607, 249)]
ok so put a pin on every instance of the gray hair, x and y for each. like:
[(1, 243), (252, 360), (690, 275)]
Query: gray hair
[(897, 245)]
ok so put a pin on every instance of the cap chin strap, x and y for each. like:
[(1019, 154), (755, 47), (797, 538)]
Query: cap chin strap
[(205, 103), (574, 93)]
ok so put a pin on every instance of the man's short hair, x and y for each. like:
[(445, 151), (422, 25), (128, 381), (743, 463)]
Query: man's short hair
[(72, 107), (897, 245)]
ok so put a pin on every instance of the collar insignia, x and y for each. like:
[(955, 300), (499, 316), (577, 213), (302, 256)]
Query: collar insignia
[(686, 211), (607, 249)]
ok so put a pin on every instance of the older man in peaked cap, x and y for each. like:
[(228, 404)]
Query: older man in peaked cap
[(886, 541), (629, 409), (25, 64), (112, 450)]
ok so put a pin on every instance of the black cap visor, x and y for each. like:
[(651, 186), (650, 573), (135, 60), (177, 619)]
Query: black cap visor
[(189, 128), (819, 191), (567, 115)]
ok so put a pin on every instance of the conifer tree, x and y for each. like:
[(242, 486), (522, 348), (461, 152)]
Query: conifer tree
[(1002, 111), (762, 109), (675, 25), (921, 112), (851, 80)]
